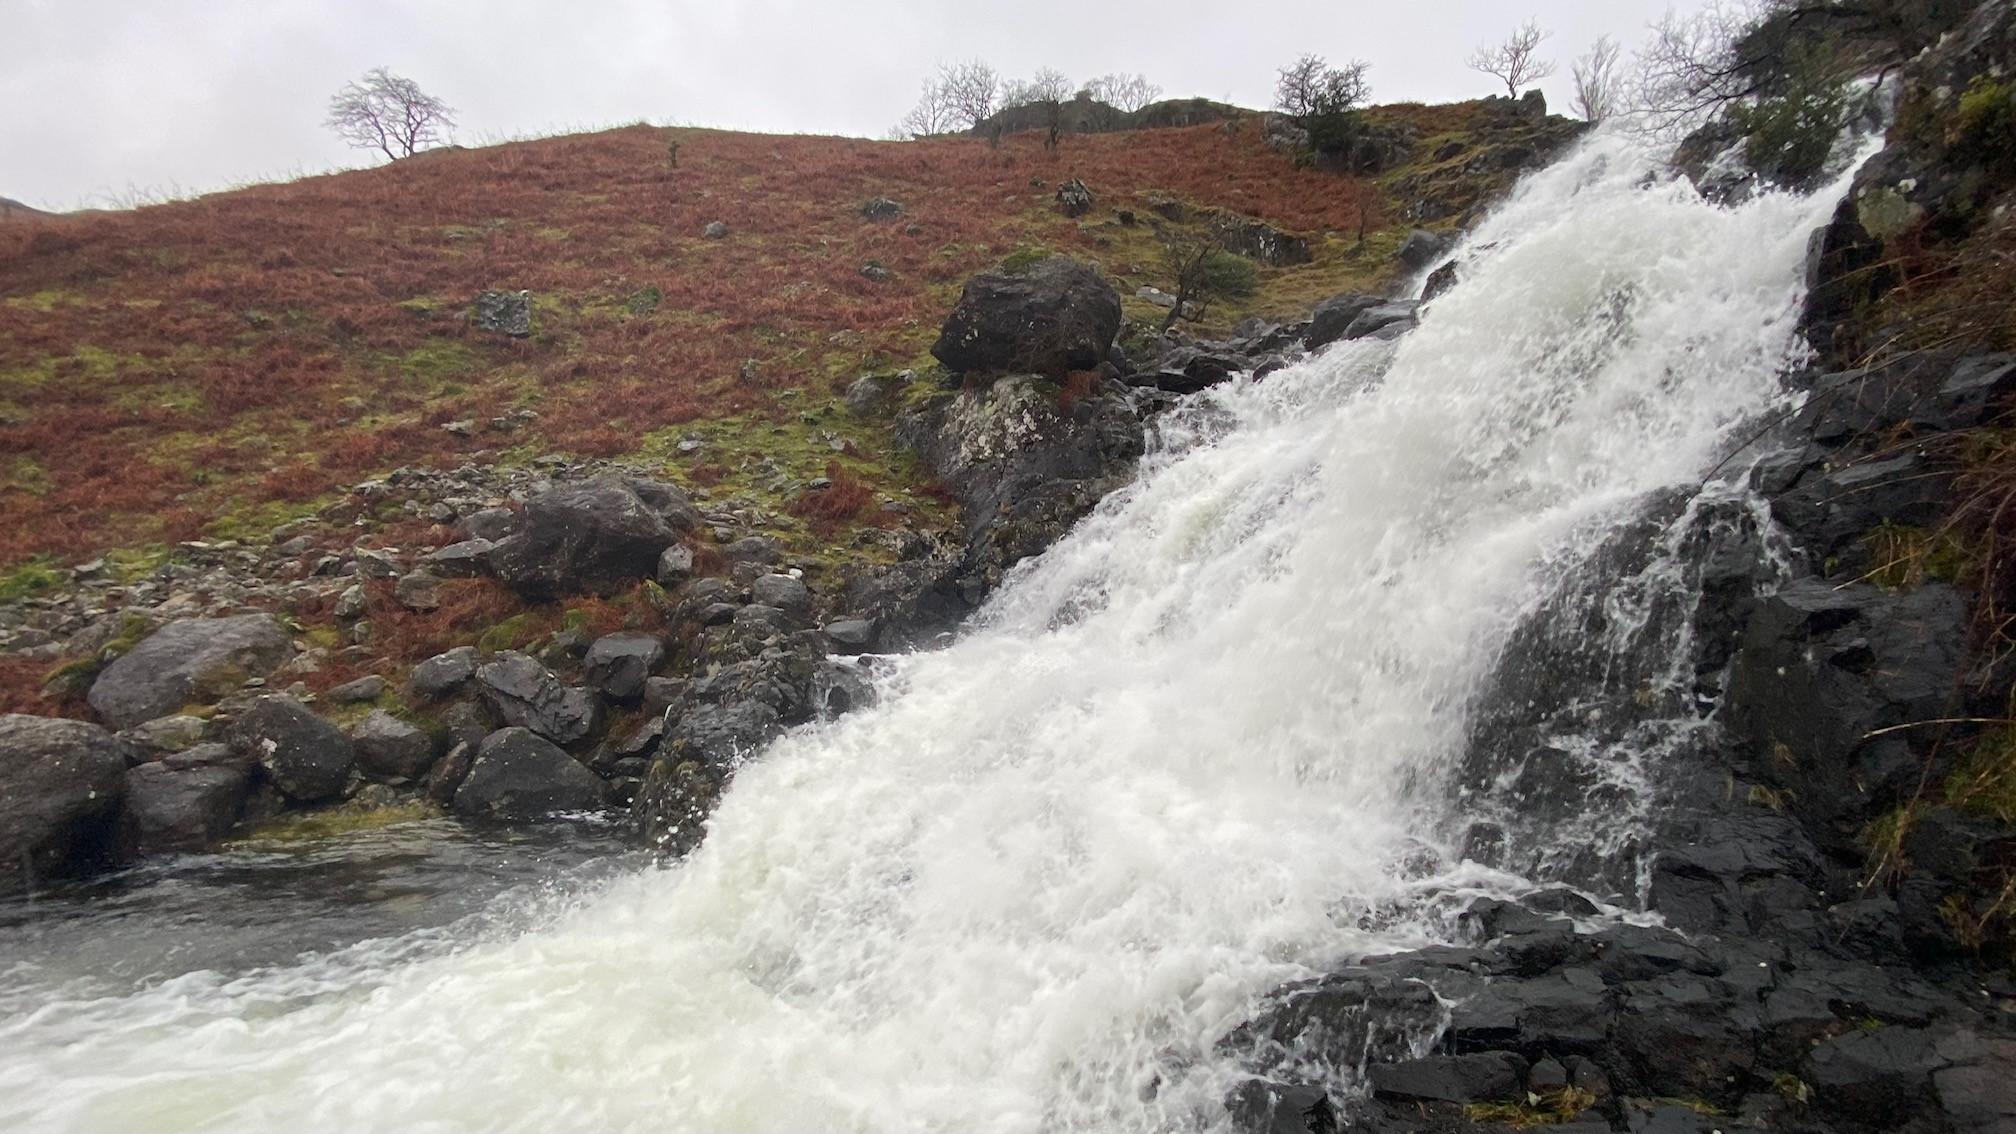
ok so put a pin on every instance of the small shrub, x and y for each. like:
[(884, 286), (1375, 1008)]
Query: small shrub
[(1790, 136), (829, 509)]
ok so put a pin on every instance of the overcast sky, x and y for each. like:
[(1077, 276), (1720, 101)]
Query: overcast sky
[(100, 99)]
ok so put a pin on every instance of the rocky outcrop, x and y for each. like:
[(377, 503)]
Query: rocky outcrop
[(1050, 318), (598, 536), (193, 661), (61, 784)]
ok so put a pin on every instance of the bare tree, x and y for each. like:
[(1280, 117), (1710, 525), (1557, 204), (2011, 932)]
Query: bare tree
[(1598, 84), (392, 115), (1690, 67), (1516, 62), (1310, 87), (1123, 92), (969, 88), (934, 113), (1047, 85), (1201, 271)]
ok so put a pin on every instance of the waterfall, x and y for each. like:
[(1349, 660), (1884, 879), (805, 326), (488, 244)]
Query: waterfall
[(1169, 767)]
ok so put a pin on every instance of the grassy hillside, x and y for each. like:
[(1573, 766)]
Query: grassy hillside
[(215, 368)]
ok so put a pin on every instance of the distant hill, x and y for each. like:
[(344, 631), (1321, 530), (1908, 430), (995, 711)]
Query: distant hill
[(13, 210)]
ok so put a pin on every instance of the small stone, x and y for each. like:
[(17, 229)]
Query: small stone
[(715, 230), (675, 566), (391, 749), (359, 692), (349, 604)]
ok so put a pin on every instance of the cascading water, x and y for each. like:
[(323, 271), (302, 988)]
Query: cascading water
[(1172, 764)]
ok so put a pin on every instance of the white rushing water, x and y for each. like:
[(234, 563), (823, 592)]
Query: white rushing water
[(1031, 888)]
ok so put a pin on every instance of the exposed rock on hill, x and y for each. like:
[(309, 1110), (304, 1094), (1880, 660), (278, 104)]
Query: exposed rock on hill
[(1051, 318)]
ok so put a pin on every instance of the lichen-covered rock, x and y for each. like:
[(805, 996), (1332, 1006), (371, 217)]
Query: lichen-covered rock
[(193, 661), (502, 313), (61, 783), (1052, 318)]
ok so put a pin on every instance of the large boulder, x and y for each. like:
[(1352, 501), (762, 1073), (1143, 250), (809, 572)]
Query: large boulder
[(61, 783), (306, 757), (526, 694), (1051, 318), (186, 802), (521, 775), (194, 661), (598, 536)]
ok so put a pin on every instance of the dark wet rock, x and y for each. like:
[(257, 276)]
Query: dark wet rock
[(1384, 320), (190, 662), (526, 694), (390, 749), (1422, 248), (1440, 281), (306, 757), (851, 635), (1188, 369), (619, 664), (61, 784), (1879, 1076), (502, 313), (518, 774), (170, 808), (443, 673), (1486, 1077), (1334, 316), (1261, 1107), (598, 536), (1051, 318)]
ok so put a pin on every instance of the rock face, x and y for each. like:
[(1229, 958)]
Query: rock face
[(1335, 315), (1052, 318), (306, 757), (1259, 241), (520, 775), (194, 661), (526, 694), (599, 536), (61, 783)]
